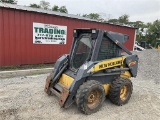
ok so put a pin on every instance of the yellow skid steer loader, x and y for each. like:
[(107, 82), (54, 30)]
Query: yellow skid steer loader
[(93, 70)]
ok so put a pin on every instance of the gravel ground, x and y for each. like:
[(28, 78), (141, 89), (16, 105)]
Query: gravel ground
[(22, 98)]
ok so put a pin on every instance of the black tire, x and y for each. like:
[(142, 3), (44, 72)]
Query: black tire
[(120, 91), (90, 97)]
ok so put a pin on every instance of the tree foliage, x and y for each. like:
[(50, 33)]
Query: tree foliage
[(9, 1), (44, 4), (55, 8), (149, 32), (153, 32), (114, 21), (124, 19), (35, 5), (94, 16), (61, 9)]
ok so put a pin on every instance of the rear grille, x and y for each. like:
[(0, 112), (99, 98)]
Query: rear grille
[(108, 50)]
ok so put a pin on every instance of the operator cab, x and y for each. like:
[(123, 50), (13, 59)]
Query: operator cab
[(88, 45)]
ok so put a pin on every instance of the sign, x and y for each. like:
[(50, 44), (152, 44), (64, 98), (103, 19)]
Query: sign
[(49, 34)]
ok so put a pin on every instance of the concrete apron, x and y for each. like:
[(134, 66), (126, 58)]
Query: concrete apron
[(18, 73)]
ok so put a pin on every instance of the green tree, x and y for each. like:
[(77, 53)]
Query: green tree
[(124, 19), (153, 32), (140, 33), (137, 24), (149, 32), (113, 21), (55, 8), (44, 4), (63, 9), (35, 5), (94, 16), (9, 1)]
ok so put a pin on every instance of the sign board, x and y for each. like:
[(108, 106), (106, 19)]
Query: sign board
[(49, 34)]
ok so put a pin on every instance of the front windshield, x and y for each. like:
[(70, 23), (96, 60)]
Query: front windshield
[(81, 53)]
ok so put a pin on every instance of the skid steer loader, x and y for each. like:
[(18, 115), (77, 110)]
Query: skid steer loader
[(93, 70)]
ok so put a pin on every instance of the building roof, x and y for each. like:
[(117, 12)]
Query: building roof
[(50, 12)]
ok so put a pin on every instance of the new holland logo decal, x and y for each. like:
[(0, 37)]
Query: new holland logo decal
[(109, 64)]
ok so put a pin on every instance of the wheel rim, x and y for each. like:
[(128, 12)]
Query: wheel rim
[(123, 93), (94, 98)]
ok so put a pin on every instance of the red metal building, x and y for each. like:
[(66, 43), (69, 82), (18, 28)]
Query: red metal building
[(16, 34)]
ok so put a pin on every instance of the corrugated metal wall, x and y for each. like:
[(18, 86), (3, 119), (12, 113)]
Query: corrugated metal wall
[(16, 36)]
